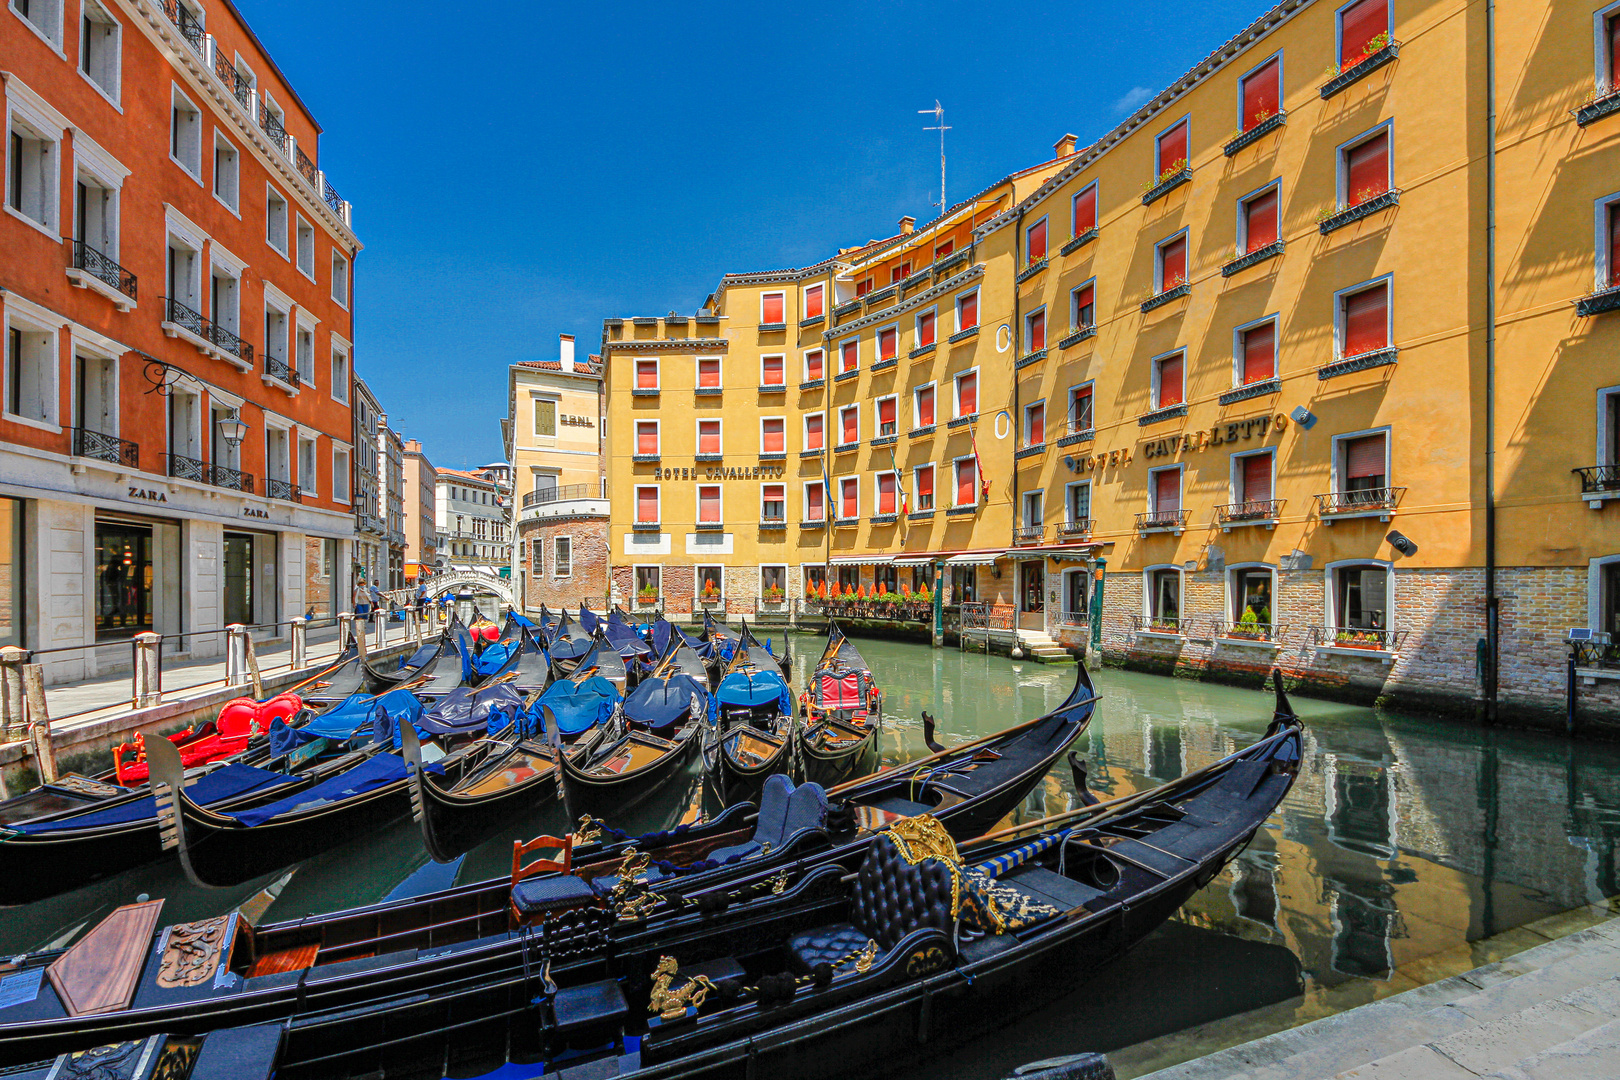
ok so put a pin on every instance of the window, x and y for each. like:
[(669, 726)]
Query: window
[(647, 504), (275, 327), (545, 417), (1080, 418), (340, 374), (1257, 353), (1035, 424), (964, 584), (45, 16), (1363, 30), (967, 394), (888, 343), (1261, 93), (1251, 592), (943, 249), (182, 271), (899, 272), (773, 435), (708, 373), (275, 221), (562, 556), (849, 425), (1035, 242), (815, 578), (185, 133), (863, 287), (1172, 263), (967, 311), (306, 467), (226, 171), (1363, 465), (848, 578), (646, 375), (815, 505), (647, 438), (887, 488), (1164, 599), (773, 582), (925, 328), (306, 249), (1608, 235), (772, 308), (814, 431), (1167, 381), (340, 474), (1083, 208), (30, 373), (1035, 331), (1257, 221), (772, 371), (1364, 320), (922, 481), (95, 218), (647, 582), (773, 502), (1083, 306), (849, 497), (1364, 169), (1361, 597), (1170, 151), (1034, 509), (98, 47), (304, 342), (849, 356), (815, 301), (1078, 502), (708, 432), (922, 404), (1166, 492), (815, 369), (888, 423), (1608, 52), (340, 278), (967, 482), (1251, 483), (31, 171)]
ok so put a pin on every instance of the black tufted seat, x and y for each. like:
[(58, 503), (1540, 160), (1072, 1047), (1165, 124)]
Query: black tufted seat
[(892, 898)]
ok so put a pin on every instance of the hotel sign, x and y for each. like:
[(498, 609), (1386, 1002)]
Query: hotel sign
[(1255, 427), (711, 473)]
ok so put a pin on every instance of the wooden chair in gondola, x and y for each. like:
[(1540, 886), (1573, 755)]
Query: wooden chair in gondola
[(535, 898)]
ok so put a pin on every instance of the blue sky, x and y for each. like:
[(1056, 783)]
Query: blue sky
[(520, 170)]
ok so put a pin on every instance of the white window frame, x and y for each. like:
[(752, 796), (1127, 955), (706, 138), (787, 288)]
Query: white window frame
[(1068, 500), (1275, 318), (916, 471), (1244, 78), (697, 372), (1025, 427), (658, 504), (305, 323), (92, 346), (1153, 384), (1229, 579), (842, 409), (1074, 202), (804, 499), (1339, 326), (1074, 308), (697, 509), (91, 161), (843, 503), (44, 33), (1338, 26), (1024, 500), (1180, 469), (234, 203), (301, 229), (775, 566), (956, 393), (916, 412), (1029, 327), (762, 422), (1044, 219), (272, 195), (635, 577), (804, 364), (1336, 458), (763, 484), (1605, 437), (340, 478), (978, 482), (1235, 472), (1158, 258), (763, 295), (877, 491), (635, 373), (1341, 157), (113, 93), (1147, 590), (635, 434), (338, 346), (340, 295), (177, 94), (555, 540), (804, 298), (1158, 165), (978, 312), (768, 356), (1242, 241), (1600, 48), (556, 414), (856, 341), (877, 342), (697, 434), (805, 431), (1603, 273), (315, 478), (35, 320), (877, 415), (1330, 600), (45, 125), (697, 578), (1068, 406), (916, 326)]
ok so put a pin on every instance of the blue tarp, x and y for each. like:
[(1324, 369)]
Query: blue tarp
[(752, 689), (355, 713), (624, 640), (373, 773), (419, 657), (394, 708), (464, 710), (588, 619), (662, 702), (521, 621), (579, 707), (495, 656), (225, 783)]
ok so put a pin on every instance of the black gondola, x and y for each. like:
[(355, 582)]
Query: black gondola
[(839, 736), (754, 728), (568, 646)]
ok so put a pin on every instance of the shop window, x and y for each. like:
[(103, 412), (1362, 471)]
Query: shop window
[(31, 364), (773, 502), (887, 412), (815, 578), (967, 394), (922, 577), (1364, 169), (814, 431), (124, 577), (1171, 268), (1364, 320), (849, 356), (772, 371), (1083, 208), (1170, 152), (708, 373), (886, 580), (1164, 598), (1259, 221), (773, 435), (772, 308), (1257, 353), (1035, 242), (815, 301), (1083, 306), (1168, 388), (849, 577), (814, 365), (888, 343), (1262, 93), (647, 438), (1363, 30), (923, 405), (925, 329), (923, 482), (967, 311), (1361, 597), (1035, 331), (964, 584)]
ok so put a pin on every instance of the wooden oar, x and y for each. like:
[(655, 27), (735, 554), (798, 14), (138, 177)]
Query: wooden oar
[(315, 677)]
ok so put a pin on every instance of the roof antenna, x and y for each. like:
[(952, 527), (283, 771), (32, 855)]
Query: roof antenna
[(938, 113)]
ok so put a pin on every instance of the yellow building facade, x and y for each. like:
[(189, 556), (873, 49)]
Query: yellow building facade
[(1303, 364)]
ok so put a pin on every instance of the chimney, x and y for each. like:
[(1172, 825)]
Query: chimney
[(1065, 146), (907, 223), (567, 347)]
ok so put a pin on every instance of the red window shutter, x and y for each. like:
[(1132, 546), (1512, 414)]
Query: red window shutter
[(1257, 478), (966, 485), (1085, 210), (852, 425), (925, 482), (887, 342), (967, 310), (812, 432), (1173, 148), (1260, 95), (775, 492), (1037, 331), (814, 497), (1358, 25), (1259, 353), (646, 374), (897, 273), (1170, 389), (1085, 311), (1037, 241), (708, 373), (773, 371), (1037, 425), (886, 411), (709, 437), (772, 309), (813, 307), (885, 485), (1614, 219), (646, 438), (967, 395), (863, 287), (646, 504), (708, 504), (1364, 457), (1366, 320), (849, 357), (1260, 220), (773, 440), (944, 249), (849, 503), (1173, 261), (1367, 169), (1614, 53), (925, 329), (925, 407), (1167, 491), (813, 364)]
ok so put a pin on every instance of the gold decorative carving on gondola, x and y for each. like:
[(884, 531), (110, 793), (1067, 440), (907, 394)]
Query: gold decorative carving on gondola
[(669, 1001), (921, 837), (865, 958), (83, 785), (192, 953), (587, 830), (924, 961), (176, 1059)]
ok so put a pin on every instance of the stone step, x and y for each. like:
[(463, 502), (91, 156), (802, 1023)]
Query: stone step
[(1592, 1055)]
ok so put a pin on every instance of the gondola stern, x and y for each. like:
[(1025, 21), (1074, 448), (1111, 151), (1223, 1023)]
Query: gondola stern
[(166, 776)]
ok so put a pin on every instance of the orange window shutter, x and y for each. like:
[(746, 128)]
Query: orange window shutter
[(969, 310), (1364, 457), (887, 341), (646, 504), (772, 308), (646, 438), (1173, 148), (1085, 210), (1366, 321), (813, 308), (1614, 59), (709, 437), (944, 249), (1167, 491), (967, 395), (1085, 309), (925, 482), (852, 426), (773, 371), (850, 503), (708, 504), (1259, 353), (815, 495), (646, 375), (925, 329), (812, 432), (1367, 169), (1037, 241), (851, 356), (1037, 331), (775, 440), (1358, 25), (966, 492), (886, 411), (708, 373), (925, 407), (1260, 220), (1261, 93), (885, 493), (812, 365), (1174, 263), (774, 493), (1614, 224), (1257, 478), (1037, 425), (1170, 390)]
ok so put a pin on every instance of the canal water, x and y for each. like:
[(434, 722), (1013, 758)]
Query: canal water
[(1405, 844)]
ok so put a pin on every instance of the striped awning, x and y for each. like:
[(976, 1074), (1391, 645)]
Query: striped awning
[(975, 558), (915, 560), (860, 560)]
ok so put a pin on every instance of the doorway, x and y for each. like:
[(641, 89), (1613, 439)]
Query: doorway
[(1032, 595), (238, 601), (123, 579)]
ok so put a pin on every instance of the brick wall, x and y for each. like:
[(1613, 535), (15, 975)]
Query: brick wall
[(587, 581)]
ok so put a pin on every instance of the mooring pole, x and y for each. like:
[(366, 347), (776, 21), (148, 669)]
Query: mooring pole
[(1098, 576)]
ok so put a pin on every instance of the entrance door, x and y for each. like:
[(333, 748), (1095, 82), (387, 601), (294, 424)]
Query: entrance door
[(238, 578), (1032, 596), (123, 579)]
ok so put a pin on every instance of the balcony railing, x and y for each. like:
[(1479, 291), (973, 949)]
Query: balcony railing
[(1077, 430), (1359, 70), (772, 521), (102, 268), (1250, 631), (185, 318), (1028, 535), (88, 443), (1358, 637), (562, 494), (186, 23), (1605, 100), (1344, 215), (1161, 520), (1156, 624), (281, 489), (1253, 510), (306, 166), (235, 479), (1604, 299), (185, 468), (274, 130), (1073, 619), (1599, 479), (1078, 529), (277, 368), (240, 88), (1366, 501)]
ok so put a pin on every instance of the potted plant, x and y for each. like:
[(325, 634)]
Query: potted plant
[(1359, 639), (1248, 627), (648, 596), (710, 594), (1164, 626), (773, 594)]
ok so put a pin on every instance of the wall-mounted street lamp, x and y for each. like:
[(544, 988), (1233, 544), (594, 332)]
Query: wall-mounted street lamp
[(232, 429)]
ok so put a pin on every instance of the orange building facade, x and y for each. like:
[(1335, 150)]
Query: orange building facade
[(176, 291)]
